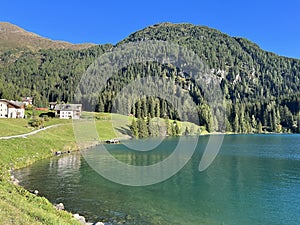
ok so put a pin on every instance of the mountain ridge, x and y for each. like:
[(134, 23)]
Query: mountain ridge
[(15, 37), (261, 89), (7, 40)]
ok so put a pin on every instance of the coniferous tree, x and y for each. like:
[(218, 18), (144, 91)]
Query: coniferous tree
[(177, 129), (142, 128), (134, 128)]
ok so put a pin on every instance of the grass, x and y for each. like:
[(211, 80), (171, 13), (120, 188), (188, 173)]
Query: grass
[(13, 127), (10, 127), (18, 206), (108, 125)]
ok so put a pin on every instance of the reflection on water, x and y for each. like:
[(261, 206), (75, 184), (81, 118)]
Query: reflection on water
[(254, 180), (63, 164)]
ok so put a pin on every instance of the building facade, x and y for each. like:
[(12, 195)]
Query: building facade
[(27, 101), (68, 111), (11, 109)]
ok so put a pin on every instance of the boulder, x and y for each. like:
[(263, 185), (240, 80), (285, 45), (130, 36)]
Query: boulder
[(81, 219), (60, 206)]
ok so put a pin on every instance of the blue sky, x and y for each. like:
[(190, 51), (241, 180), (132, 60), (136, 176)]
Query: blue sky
[(273, 25)]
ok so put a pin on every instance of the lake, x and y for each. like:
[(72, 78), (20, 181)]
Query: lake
[(255, 179)]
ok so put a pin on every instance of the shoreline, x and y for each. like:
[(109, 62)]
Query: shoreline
[(65, 148)]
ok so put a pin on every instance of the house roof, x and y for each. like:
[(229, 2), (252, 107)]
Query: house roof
[(68, 107), (15, 104)]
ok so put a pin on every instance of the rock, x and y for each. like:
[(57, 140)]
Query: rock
[(14, 180), (80, 218), (99, 223), (60, 206)]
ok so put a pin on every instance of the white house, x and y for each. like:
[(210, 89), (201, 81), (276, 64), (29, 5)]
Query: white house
[(11, 109), (27, 101), (68, 111)]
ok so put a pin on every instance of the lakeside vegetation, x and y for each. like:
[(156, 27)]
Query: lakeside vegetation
[(17, 205)]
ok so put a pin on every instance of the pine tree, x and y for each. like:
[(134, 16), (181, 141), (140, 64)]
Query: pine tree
[(153, 127), (177, 129), (187, 131), (142, 128), (139, 109), (228, 125), (253, 124), (134, 128), (236, 123), (157, 107), (169, 127), (298, 123), (152, 108)]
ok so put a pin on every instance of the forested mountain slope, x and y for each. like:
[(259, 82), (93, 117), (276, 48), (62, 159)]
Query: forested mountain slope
[(262, 89), (248, 71)]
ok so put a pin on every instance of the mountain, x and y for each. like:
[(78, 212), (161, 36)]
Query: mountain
[(237, 60), (14, 37), (261, 89)]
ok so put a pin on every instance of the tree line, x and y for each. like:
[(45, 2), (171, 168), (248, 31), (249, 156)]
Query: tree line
[(261, 89)]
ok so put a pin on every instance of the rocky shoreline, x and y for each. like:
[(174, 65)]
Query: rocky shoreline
[(83, 220)]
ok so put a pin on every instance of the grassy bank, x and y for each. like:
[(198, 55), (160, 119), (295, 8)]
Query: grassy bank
[(18, 206)]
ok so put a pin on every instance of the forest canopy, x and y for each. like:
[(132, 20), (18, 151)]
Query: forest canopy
[(261, 89)]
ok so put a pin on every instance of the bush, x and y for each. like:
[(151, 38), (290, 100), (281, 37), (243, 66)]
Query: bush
[(36, 122)]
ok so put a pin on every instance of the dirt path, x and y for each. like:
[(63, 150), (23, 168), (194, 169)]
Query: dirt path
[(28, 134)]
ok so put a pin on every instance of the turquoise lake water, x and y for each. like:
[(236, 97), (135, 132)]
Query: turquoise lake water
[(255, 179)]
